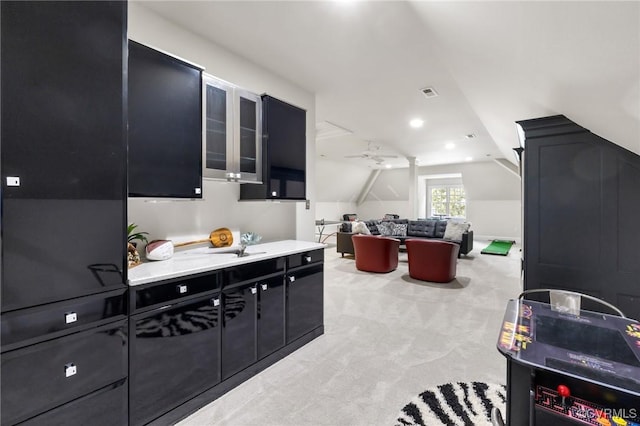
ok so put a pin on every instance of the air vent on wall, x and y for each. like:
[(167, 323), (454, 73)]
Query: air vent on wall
[(429, 92)]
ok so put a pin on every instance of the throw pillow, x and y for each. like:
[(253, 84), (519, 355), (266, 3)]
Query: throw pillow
[(455, 229), (399, 230), (385, 228), (360, 228)]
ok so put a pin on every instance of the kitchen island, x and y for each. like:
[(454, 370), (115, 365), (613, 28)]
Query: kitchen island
[(206, 320)]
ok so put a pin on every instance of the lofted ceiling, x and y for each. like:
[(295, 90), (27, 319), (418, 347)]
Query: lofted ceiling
[(491, 63)]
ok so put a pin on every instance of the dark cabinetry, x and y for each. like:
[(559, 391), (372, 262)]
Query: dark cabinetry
[(41, 377), (283, 153), (253, 314), (581, 204), (64, 332), (175, 349), (305, 294), (271, 324), (194, 338), (239, 328), (165, 125)]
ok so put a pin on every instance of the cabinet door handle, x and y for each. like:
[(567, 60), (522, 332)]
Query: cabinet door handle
[(292, 278), (215, 301), (254, 290), (182, 288), (264, 287), (307, 259), (70, 369), (70, 317)]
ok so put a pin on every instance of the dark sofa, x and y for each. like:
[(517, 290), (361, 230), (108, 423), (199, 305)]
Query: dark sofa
[(427, 229)]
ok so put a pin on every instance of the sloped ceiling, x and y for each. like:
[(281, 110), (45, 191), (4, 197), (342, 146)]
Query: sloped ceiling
[(492, 63), (519, 60)]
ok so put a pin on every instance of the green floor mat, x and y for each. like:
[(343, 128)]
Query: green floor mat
[(499, 247)]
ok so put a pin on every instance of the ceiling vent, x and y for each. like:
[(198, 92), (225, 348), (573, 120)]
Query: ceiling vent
[(327, 130), (429, 92), (470, 136)]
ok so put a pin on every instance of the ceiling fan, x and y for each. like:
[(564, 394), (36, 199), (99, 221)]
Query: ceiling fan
[(371, 154)]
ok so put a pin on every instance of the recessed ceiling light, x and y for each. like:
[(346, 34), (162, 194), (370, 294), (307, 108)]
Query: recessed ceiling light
[(468, 159), (450, 145), (416, 123), (388, 166)]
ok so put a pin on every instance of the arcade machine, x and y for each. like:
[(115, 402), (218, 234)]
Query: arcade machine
[(567, 366)]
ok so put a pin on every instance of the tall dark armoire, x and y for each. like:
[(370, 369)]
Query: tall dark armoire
[(63, 155), (581, 209)]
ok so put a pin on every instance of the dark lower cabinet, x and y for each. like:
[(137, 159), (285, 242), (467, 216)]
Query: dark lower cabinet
[(305, 294), (189, 350), (271, 324), (238, 328), (44, 376), (175, 355), (104, 407)]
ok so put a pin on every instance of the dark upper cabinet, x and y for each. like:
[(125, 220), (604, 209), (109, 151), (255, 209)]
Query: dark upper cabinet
[(581, 204), (283, 153), (63, 150), (165, 125), (63, 122)]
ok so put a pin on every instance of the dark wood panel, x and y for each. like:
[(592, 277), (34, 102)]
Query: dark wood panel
[(569, 206), (628, 209), (581, 206)]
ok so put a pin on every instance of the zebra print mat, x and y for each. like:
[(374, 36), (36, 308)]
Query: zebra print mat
[(453, 404)]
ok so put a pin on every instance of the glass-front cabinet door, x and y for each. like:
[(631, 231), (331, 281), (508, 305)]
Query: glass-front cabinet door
[(248, 136), (232, 133), (218, 128)]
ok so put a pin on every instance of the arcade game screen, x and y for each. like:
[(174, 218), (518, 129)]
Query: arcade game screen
[(600, 342)]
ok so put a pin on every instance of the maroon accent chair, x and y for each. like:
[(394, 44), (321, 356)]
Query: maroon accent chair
[(375, 253), (432, 260)]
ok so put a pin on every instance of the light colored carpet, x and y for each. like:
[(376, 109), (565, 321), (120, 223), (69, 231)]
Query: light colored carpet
[(387, 338)]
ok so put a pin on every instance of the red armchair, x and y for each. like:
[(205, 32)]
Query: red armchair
[(375, 253), (432, 260)]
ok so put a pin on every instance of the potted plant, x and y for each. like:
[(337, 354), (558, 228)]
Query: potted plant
[(133, 236), (133, 257)]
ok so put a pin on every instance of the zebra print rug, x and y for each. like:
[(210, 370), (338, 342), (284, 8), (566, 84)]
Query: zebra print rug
[(452, 404)]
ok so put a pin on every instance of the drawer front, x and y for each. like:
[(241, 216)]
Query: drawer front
[(30, 325), (306, 258), (253, 270), (105, 407), (175, 290), (40, 377)]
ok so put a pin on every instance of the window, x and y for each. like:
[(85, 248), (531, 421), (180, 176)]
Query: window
[(446, 200)]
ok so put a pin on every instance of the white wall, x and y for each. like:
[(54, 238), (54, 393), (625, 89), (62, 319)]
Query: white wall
[(182, 220), (493, 197)]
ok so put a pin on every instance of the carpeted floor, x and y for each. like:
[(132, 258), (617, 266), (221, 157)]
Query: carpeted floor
[(387, 338), (451, 404)]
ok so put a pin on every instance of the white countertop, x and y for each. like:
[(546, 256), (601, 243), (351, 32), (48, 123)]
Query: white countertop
[(205, 259)]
